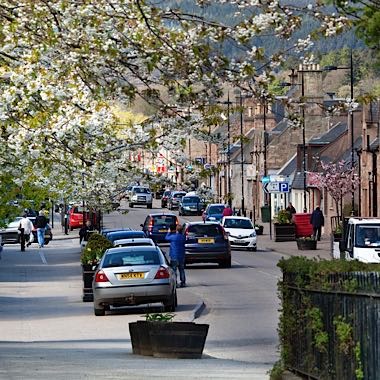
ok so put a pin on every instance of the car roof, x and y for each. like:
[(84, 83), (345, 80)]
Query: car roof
[(126, 233), (162, 214), (202, 223), (217, 204), (134, 240), (146, 248), (236, 217)]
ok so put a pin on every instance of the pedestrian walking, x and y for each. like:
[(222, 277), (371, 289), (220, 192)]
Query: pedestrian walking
[(317, 220), (41, 223), (177, 252), (227, 211), (26, 230), (291, 210), (85, 231)]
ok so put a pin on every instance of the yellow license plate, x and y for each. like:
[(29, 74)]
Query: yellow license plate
[(127, 276), (206, 241), (162, 230)]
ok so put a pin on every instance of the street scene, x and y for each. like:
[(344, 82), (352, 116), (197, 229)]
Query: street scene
[(189, 189)]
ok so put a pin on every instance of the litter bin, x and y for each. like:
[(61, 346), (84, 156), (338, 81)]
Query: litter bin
[(265, 214)]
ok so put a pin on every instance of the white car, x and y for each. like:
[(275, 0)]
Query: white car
[(140, 195), (241, 232), (134, 242)]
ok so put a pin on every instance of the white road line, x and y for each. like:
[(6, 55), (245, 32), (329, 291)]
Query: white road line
[(260, 271), (43, 258)]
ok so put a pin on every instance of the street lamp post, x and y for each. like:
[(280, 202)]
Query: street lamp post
[(303, 142), (242, 155), (351, 118)]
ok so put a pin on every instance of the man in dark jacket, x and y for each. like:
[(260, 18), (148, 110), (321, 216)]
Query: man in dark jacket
[(41, 223), (84, 232), (317, 220), (177, 252)]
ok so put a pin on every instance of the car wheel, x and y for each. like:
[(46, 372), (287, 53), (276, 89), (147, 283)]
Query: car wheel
[(225, 263), (131, 205), (71, 228), (100, 312), (171, 304), (46, 241), (179, 213), (149, 205), (253, 249)]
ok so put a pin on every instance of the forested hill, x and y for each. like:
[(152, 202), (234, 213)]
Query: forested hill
[(225, 13)]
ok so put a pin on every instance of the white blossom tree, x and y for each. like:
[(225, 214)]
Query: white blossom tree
[(65, 63)]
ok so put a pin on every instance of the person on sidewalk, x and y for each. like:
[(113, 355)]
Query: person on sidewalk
[(291, 210), (25, 228), (317, 220), (41, 223), (84, 232), (177, 252), (227, 211)]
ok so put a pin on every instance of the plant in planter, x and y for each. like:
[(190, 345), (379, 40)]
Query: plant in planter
[(90, 257), (159, 336), (284, 228), (306, 243), (337, 232)]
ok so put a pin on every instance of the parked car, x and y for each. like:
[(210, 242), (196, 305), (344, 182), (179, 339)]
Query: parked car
[(140, 195), (124, 234), (165, 197), (11, 234), (106, 231), (134, 242), (191, 205), (175, 198), (132, 276), (76, 217), (241, 232), (156, 225), (207, 242), (213, 212)]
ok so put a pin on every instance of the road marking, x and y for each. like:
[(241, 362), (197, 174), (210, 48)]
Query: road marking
[(260, 271), (43, 258)]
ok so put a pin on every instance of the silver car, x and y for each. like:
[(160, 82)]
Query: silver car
[(132, 276), (134, 242)]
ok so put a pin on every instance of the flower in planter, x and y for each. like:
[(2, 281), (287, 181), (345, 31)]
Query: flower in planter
[(283, 217), (306, 238), (159, 317), (93, 251)]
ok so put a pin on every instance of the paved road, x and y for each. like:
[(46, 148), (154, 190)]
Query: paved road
[(48, 332)]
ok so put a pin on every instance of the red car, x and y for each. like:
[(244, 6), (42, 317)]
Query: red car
[(76, 217)]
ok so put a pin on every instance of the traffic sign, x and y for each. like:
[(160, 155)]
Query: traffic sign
[(265, 179), (276, 187)]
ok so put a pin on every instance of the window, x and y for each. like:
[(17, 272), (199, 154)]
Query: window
[(216, 210), (131, 259), (164, 220), (205, 230)]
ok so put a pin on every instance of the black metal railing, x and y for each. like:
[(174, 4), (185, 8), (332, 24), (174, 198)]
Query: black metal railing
[(333, 325)]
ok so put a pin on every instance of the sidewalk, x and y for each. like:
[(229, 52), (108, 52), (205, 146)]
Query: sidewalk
[(289, 248)]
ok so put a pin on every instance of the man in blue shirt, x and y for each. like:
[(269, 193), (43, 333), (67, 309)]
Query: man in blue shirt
[(177, 252)]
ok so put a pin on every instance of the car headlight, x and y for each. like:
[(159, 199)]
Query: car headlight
[(253, 234)]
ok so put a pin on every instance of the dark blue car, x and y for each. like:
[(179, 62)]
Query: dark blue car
[(213, 212), (131, 234), (207, 242), (156, 225), (190, 205)]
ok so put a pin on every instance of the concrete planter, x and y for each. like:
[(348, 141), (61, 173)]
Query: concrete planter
[(181, 340)]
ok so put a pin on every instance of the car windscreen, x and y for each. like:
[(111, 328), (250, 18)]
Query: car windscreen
[(167, 193), (204, 230), (190, 200), (178, 195), (131, 259), (141, 190), (164, 220), (238, 223), (216, 210), (125, 235)]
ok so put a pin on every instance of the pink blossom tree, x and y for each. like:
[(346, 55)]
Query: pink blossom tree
[(337, 180)]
